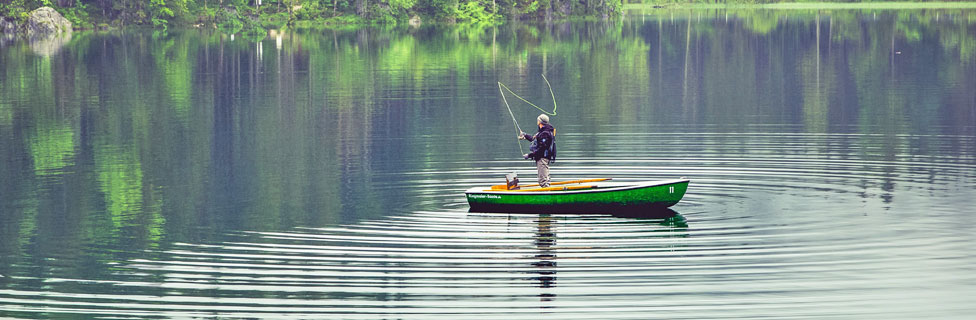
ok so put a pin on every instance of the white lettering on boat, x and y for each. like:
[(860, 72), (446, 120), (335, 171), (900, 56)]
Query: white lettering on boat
[(671, 189), (484, 196)]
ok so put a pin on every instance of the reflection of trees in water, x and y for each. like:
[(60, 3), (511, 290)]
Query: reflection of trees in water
[(160, 131)]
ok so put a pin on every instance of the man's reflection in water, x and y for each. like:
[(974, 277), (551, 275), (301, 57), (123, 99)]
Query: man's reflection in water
[(545, 239)]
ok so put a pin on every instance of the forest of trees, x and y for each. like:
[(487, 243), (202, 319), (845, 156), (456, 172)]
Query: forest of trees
[(259, 14), (269, 13)]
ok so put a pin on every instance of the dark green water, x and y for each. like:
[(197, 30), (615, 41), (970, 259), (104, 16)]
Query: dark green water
[(320, 174)]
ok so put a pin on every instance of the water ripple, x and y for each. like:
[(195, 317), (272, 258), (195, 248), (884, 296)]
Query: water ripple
[(789, 227)]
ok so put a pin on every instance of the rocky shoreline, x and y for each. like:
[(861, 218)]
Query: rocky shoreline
[(41, 22), (46, 29)]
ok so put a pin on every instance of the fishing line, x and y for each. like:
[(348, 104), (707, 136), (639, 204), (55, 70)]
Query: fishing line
[(517, 127)]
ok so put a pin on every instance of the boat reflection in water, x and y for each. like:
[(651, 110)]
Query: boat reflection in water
[(545, 262), (650, 213)]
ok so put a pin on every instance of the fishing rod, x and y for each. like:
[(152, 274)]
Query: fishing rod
[(517, 127)]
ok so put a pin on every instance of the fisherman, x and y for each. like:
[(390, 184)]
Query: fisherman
[(543, 149)]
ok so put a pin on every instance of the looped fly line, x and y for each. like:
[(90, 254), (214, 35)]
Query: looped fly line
[(517, 127)]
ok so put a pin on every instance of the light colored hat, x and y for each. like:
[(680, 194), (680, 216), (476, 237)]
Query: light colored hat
[(543, 119)]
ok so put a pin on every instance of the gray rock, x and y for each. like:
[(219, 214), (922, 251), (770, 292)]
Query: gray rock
[(46, 21), (7, 26)]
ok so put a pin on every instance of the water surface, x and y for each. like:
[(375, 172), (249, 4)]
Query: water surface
[(320, 174)]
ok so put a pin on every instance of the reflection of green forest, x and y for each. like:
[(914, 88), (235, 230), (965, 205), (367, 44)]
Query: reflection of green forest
[(188, 132)]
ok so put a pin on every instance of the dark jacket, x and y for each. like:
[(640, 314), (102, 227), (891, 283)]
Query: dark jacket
[(543, 143)]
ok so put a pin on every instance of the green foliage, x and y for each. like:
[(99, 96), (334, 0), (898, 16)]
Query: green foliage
[(78, 15), (274, 21), (476, 11), (344, 20), (229, 22), (161, 13), (277, 13), (400, 7), (531, 8), (16, 10), (380, 15), (437, 9), (207, 14), (310, 11)]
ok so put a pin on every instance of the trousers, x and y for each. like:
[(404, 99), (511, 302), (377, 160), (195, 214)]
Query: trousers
[(542, 166)]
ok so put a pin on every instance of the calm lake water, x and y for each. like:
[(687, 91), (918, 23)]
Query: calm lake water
[(320, 174)]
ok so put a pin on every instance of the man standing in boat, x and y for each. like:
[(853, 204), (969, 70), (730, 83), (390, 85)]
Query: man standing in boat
[(543, 149)]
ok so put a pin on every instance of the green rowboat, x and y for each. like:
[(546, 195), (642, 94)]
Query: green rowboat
[(581, 197)]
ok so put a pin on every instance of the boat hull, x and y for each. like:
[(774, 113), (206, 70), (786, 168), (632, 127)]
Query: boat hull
[(603, 198)]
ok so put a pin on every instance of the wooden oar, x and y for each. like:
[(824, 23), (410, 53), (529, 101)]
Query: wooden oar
[(564, 188), (505, 187)]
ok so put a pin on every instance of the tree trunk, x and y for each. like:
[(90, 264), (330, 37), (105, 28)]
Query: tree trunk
[(549, 11), (361, 6)]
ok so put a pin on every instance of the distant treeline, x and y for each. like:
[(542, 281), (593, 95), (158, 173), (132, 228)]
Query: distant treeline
[(260, 14), (276, 13), (827, 3)]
